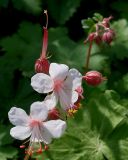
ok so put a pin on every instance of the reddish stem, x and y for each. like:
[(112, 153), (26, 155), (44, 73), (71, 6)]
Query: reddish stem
[(88, 56), (45, 38)]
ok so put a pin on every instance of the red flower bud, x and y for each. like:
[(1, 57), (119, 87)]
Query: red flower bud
[(42, 66), (106, 21), (54, 114), (91, 36), (108, 36), (93, 78), (94, 37), (98, 40)]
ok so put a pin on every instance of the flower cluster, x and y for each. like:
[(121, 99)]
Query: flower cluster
[(103, 32), (63, 89)]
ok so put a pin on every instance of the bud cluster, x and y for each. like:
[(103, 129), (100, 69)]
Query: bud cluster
[(103, 32)]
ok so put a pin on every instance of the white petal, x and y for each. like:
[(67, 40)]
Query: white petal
[(55, 127), (42, 83), (67, 98), (18, 116), (58, 71), (40, 134), (20, 132), (75, 96), (39, 111), (51, 101), (74, 79)]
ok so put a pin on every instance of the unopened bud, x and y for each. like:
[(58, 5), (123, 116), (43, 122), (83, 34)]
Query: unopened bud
[(108, 36), (98, 40), (94, 37), (91, 36), (54, 114), (106, 21), (42, 66), (93, 78)]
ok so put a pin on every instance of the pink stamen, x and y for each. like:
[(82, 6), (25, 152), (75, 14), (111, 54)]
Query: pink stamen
[(57, 85), (34, 122)]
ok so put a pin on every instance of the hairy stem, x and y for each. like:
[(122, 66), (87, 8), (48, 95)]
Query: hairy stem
[(88, 56)]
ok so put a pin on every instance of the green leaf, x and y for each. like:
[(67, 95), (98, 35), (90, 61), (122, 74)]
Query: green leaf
[(4, 3), (7, 152), (101, 121), (87, 23), (122, 85), (30, 6), (120, 45), (27, 44), (121, 7), (97, 17), (98, 62), (5, 135), (62, 10)]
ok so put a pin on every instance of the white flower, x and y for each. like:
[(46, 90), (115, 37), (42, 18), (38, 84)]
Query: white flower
[(62, 82), (35, 126)]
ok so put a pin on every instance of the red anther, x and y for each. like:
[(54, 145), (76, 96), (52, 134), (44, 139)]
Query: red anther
[(93, 78), (54, 114), (22, 146), (46, 147), (108, 36), (42, 66)]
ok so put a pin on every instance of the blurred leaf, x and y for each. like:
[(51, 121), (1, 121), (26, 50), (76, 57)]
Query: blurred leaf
[(121, 7), (97, 17), (122, 84), (87, 23), (4, 3), (120, 46), (98, 62), (5, 135), (7, 152), (30, 6), (62, 10)]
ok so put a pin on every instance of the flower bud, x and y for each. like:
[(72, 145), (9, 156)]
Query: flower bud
[(98, 40), (54, 114), (93, 78), (94, 37), (106, 21), (91, 36), (42, 66), (108, 36)]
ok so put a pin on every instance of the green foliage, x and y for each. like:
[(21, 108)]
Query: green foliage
[(30, 6), (6, 150), (121, 7), (97, 17), (4, 3), (89, 23), (99, 129), (95, 135), (62, 10)]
